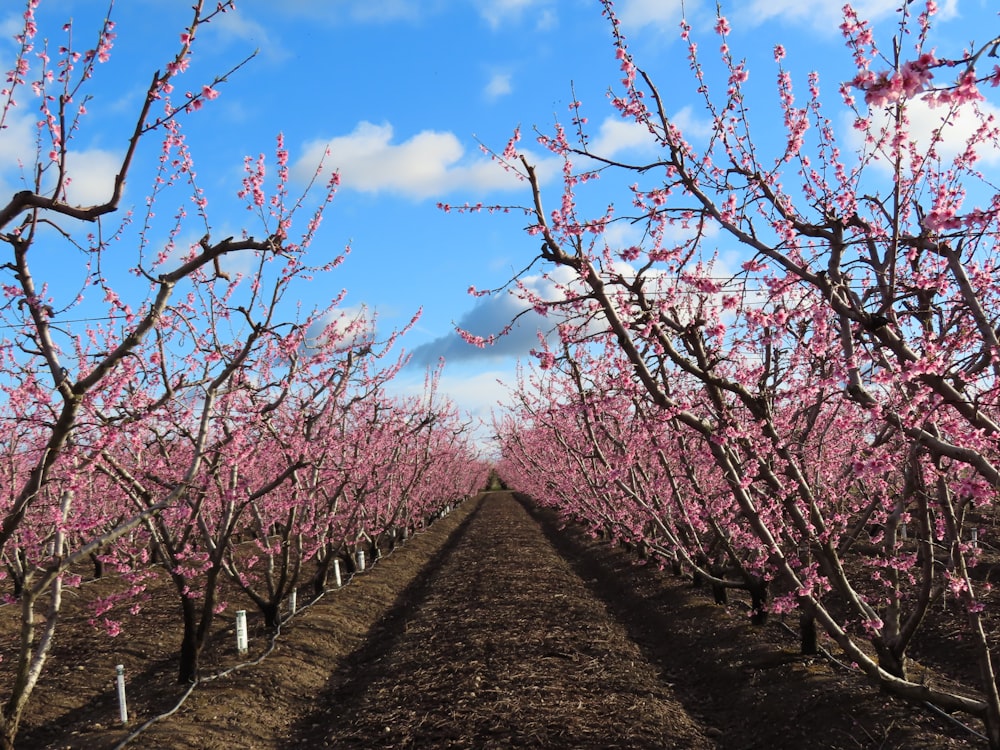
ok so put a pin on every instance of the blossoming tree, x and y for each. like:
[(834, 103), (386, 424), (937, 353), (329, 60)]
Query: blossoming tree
[(71, 392), (866, 307)]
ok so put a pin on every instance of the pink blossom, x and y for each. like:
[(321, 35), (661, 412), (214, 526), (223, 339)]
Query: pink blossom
[(176, 67), (631, 253)]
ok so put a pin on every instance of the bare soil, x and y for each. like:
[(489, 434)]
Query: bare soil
[(495, 628)]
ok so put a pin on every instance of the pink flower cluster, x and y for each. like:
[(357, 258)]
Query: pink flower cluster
[(889, 87)]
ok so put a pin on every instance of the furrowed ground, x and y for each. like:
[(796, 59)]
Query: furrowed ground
[(495, 628)]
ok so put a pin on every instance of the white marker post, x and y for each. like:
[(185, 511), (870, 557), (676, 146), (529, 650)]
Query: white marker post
[(241, 631), (336, 573), (293, 601), (359, 557), (122, 707)]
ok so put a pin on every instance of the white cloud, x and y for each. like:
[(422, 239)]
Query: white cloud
[(350, 325), (622, 234), (17, 139), (428, 164), (616, 135), (690, 124), (926, 120), (795, 11), (957, 133), (92, 175), (499, 85), (475, 392), (91, 171), (370, 162), (663, 14)]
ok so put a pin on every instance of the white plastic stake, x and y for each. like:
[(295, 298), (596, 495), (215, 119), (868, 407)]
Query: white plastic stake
[(336, 573), (241, 631), (293, 601), (902, 530), (120, 679), (975, 538), (359, 557)]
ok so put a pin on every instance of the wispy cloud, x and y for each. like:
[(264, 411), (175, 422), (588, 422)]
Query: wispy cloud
[(690, 124), (504, 12), (476, 393), (238, 26), (499, 85), (365, 11), (817, 15), (666, 14), (11, 26), (662, 14)]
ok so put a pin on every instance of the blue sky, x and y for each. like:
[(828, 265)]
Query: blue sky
[(404, 92)]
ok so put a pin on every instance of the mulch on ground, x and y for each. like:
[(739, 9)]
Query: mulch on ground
[(495, 628), (506, 647)]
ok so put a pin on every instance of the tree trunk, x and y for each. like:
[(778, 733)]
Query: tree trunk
[(992, 725), (892, 662), (17, 581), (758, 600), (807, 632), (272, 614), (98, 566), (8, 730), (720, 594), (188, 668), (322, 576)]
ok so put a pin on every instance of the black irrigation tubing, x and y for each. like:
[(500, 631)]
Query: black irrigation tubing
[(187, 693), (938, 711), (270, 648)]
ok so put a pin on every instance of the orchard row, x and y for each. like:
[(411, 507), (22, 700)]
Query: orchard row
[(167, 408), (816, 423)]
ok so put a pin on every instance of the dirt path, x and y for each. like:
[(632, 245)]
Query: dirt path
[(503, 646)]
